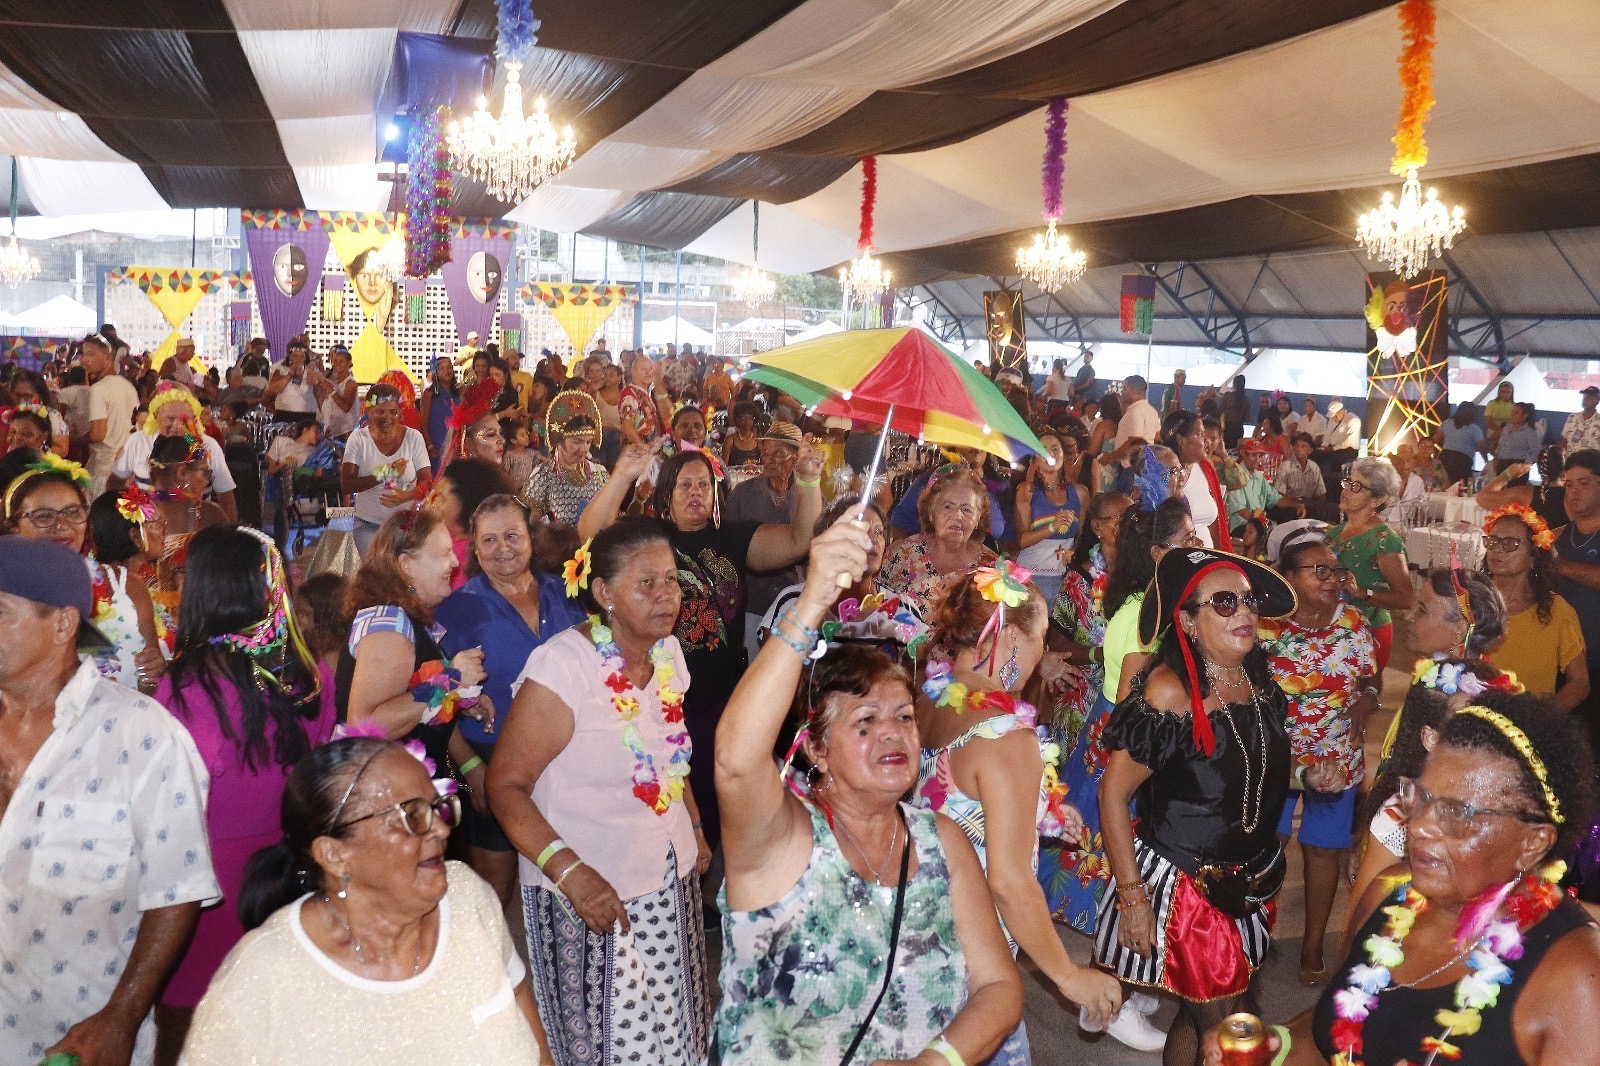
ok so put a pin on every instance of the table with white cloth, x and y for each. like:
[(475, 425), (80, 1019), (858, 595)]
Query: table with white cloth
[(1429, 546)]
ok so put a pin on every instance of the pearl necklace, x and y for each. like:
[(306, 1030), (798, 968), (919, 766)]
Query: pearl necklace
[(1248, 821)]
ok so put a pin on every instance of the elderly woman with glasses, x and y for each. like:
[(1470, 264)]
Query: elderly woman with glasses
[(953, 513), (1372, 551), (1544, 643), (1201, 739), (1324, 658), (49, 500), (1468, 952), (365, 944)]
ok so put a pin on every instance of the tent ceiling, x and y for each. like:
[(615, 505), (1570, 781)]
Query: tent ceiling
[(1200, 129)]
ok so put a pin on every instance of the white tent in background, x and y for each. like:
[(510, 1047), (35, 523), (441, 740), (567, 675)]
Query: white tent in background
[(57, 315), (1528, 386), (675, 330), (821, 329), (1302, 374)]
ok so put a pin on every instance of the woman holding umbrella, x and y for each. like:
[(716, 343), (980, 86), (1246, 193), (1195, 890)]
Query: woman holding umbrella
[(714, 558)]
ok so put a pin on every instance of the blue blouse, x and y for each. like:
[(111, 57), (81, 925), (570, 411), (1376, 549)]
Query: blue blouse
[(476, 616)]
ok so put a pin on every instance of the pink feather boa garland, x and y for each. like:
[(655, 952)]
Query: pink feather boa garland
[(1055, 157)]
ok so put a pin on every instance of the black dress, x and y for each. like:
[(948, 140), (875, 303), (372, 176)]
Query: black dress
[(1192, 811), (1396, 1027), (436, 737)]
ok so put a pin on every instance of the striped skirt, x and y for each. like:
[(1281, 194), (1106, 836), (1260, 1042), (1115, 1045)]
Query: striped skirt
[(1200, 954)]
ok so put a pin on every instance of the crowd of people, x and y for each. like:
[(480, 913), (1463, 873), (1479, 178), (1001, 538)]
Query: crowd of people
[(626, 648)]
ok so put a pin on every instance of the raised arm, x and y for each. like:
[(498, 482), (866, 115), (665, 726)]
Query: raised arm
[(774, 546), (759, 817), (607, 503)]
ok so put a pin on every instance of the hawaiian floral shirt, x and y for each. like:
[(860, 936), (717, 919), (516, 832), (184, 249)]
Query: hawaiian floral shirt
[(1319, 670)]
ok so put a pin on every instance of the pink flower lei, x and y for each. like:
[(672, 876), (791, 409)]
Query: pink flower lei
[(648, 785)]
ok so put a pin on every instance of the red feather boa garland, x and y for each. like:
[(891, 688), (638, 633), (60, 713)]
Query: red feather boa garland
[(427, 194), (869, 201)]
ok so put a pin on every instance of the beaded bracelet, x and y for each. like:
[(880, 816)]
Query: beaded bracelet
[(941, 1046), (808, 636)]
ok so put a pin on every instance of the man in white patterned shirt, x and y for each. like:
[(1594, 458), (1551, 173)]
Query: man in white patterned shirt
[(104, 858)]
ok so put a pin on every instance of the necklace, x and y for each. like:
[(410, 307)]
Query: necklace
[(648, 785), (1249, 820), (942, 688), (894, 838), (1491, 926), (355, 945), (1572, 536)]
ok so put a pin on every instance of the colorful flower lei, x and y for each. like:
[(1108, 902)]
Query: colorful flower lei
[(654, 792), (943, 690), (437, 685), (1493, 924), (1452, 677), (1538, 528)]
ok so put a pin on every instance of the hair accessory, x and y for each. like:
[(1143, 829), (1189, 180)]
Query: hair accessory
[(191, 438), (474, 406), (575, 572), (277, 629), (1538, 528), (445, 786), (170, 392), (1519, 740), (1152, 482), (1463, 597), (135, 504), (1004, 584), (1452, 677), (47, 463)]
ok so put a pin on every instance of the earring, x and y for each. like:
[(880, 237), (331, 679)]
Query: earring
[(345, 881), (811, 779), (1009, 672)]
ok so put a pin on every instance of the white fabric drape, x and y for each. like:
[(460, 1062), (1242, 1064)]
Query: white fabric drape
[(75, 186), (567, 209), (617, 164), (318, 73), (413, 16), (738, 114), (51, 134)]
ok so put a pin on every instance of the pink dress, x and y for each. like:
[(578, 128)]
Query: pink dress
[(241, 817)]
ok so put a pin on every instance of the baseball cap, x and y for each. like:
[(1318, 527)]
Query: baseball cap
[(51, 574), (1587, 390)]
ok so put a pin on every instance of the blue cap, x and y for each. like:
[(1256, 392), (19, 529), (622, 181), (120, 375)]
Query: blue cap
[(54, 575)]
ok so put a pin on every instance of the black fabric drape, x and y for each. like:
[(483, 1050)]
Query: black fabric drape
[(772, 177), (663, 219)]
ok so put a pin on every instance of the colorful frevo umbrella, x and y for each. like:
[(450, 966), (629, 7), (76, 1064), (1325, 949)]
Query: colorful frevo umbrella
[(901, 378)]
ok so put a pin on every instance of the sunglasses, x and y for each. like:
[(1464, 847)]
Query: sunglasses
[(1323, 571), (1227, 604), (1457, 819), (417, 814), (1501, 544)]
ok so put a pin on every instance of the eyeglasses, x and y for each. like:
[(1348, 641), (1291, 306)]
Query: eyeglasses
[(1227, 604), (1456, 819), (1356, 486), (417, 814), (48, 517), (1502, 544), (1191, 541), (1324, 571)]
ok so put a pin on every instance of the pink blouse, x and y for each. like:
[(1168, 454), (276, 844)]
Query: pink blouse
[(586, 793)]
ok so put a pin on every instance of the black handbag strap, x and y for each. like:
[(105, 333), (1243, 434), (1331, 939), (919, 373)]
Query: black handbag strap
[(894, 944)]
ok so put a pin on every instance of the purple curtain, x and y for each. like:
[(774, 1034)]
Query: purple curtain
[(473, 279), (287, 267)]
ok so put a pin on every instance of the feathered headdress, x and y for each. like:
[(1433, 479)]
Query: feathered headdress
[(478, 402)]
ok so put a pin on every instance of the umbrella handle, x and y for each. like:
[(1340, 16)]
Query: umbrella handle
[(872, 477)]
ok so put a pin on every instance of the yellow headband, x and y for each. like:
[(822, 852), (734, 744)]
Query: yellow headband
[(175, 394), (48, 463), (1524, 746)]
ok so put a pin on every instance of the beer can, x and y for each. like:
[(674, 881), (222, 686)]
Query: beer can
[(1244, 1041)]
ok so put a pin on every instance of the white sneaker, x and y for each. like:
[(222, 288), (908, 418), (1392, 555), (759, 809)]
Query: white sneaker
[(1143, 1002), (1133, 1029)]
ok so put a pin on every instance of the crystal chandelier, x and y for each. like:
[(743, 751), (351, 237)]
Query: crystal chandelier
[(1051, 262), (1408, 235), (389, 260), (16, 265), (865, 279), (754, 286), (512, 154)]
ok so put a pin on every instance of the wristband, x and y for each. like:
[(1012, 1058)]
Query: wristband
[(939, 1045), (1285, 1042), (803, 483), (695, 825), (567, 873), (544, 856), (470, 765)]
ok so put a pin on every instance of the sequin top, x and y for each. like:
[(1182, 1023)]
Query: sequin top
[(798, 976), (279, 999)]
